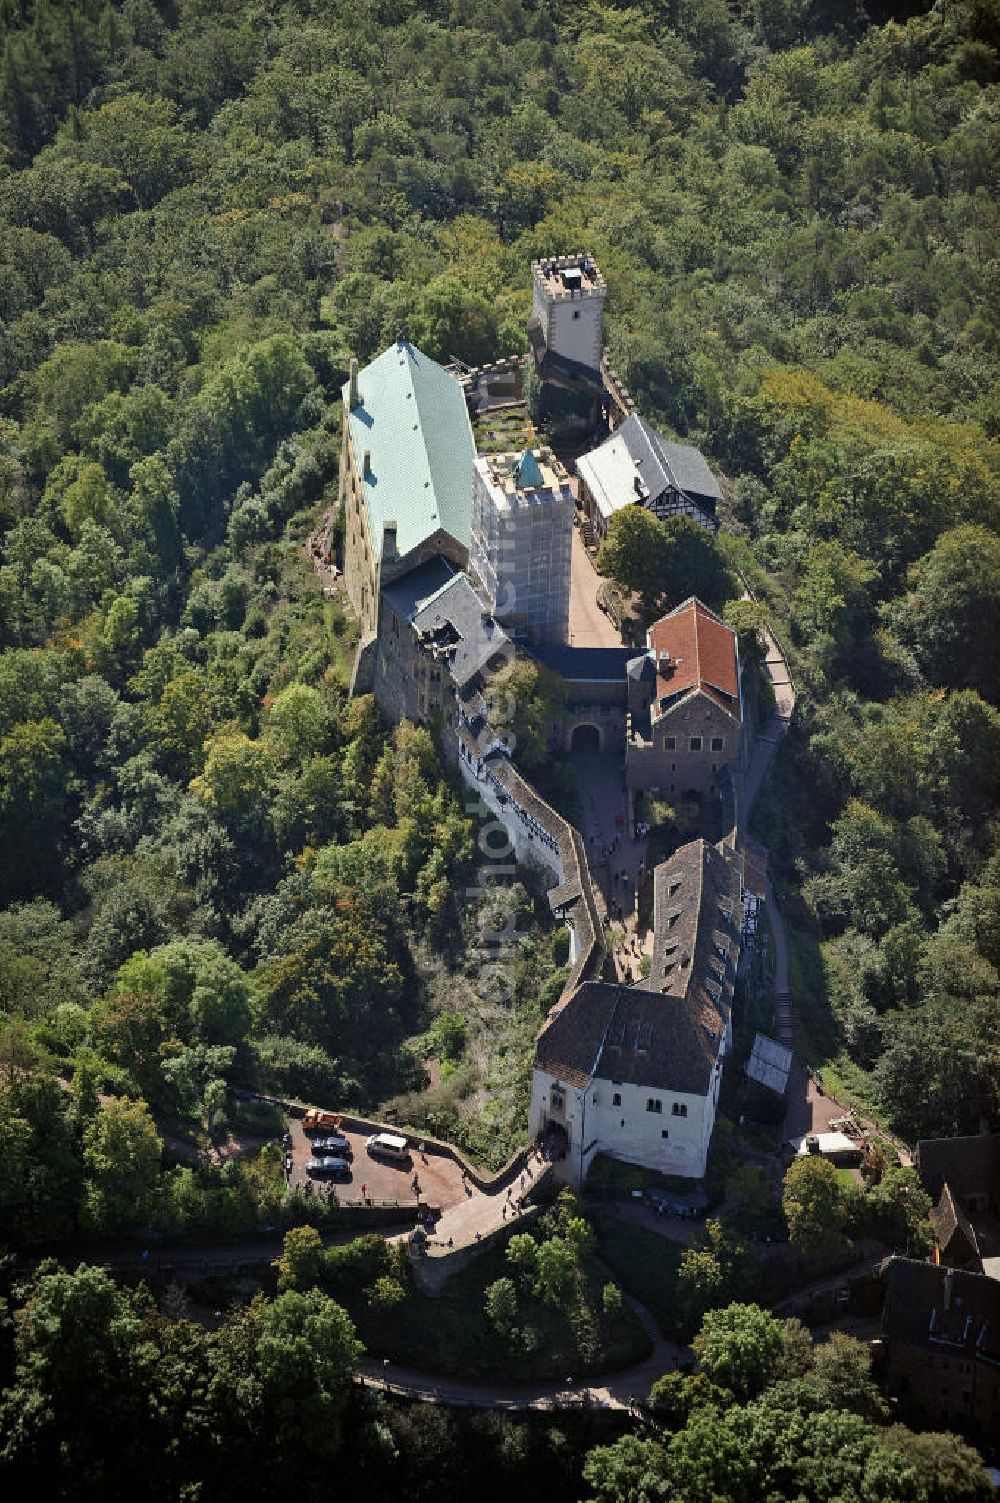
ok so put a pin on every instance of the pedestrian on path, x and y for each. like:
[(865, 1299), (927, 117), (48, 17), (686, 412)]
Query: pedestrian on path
[(364, 1192)]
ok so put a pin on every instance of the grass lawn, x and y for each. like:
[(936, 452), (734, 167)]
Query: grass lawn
[(452, 1335), (645, 1264)]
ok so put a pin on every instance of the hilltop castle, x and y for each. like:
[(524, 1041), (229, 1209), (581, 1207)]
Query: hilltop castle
[(454, 561)]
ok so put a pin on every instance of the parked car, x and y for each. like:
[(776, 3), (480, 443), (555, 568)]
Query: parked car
[(317, 1121), (387, 1145), (328, 1168), (333, 1143)]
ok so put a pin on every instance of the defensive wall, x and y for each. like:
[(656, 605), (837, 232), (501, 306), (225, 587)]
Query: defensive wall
[(542, 838)]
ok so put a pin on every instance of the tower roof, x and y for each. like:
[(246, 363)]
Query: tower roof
[(412, 422), (527, 472)]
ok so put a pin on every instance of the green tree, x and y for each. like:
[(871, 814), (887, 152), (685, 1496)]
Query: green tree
[(525, 700), (814, 1204), (300, 1263), (522, 1255), (634, 552), (628, 1471), (842, 1374), (300, 722), (501, 1306), (307, 1350), (739, 1348), (950, 615), (121, 1157), (237, 778)]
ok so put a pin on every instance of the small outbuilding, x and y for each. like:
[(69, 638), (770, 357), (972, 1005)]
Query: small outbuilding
[(835, 1146), (769, 1064), (637, 465)]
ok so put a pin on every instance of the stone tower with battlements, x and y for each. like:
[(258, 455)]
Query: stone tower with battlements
[(567, 304)]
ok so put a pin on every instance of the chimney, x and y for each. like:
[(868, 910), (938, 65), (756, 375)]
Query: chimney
[(388, 541), (355, 395)]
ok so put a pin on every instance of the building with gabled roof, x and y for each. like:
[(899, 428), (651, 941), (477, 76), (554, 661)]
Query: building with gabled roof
[(436, 642), (406, 473), (939, 1349), (970, 1165), (685, 706), (954, 1235), (634, 1071), (638, 466)]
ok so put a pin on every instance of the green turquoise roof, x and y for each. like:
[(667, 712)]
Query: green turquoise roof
[(413, 422), (527, 473)]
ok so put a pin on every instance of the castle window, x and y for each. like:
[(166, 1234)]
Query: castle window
[(718, 743), (616, 1099), (679, 1109), (576, 313), (654, 1104), (670, 743), (695, 743), (664, 1133)]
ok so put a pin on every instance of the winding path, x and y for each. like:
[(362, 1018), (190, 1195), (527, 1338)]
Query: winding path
[(610, 1391)]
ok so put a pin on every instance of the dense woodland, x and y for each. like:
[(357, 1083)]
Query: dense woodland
[(262, 1405), (215, 868)]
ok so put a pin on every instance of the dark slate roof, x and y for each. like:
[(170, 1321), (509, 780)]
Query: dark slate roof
[(953, 1232), (697, 915), (971, 1166), (407, 593), (628, 1035), (569, 1044), (586, 664), (665, 465), (454, 626), (927, 1305), (667, 1032)]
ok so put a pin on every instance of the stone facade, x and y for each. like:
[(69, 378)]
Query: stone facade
[(686, 731), (685, 750)]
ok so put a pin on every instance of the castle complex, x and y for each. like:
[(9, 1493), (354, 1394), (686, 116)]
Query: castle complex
[(456, 561)]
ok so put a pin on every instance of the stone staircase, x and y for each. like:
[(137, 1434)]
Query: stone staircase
[(784, 1028)]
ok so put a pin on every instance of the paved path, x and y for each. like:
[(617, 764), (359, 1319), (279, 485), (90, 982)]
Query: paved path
[(613, 856), (770, 736), (610, 1391), (588, 625)]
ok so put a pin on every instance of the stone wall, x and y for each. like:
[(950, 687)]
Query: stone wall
[(542, 838)]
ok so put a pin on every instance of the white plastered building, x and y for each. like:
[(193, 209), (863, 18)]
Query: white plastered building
[(634, 1071)]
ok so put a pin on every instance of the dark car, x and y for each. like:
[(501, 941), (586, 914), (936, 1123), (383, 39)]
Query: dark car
[(328, 1168), (333, 1143)]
